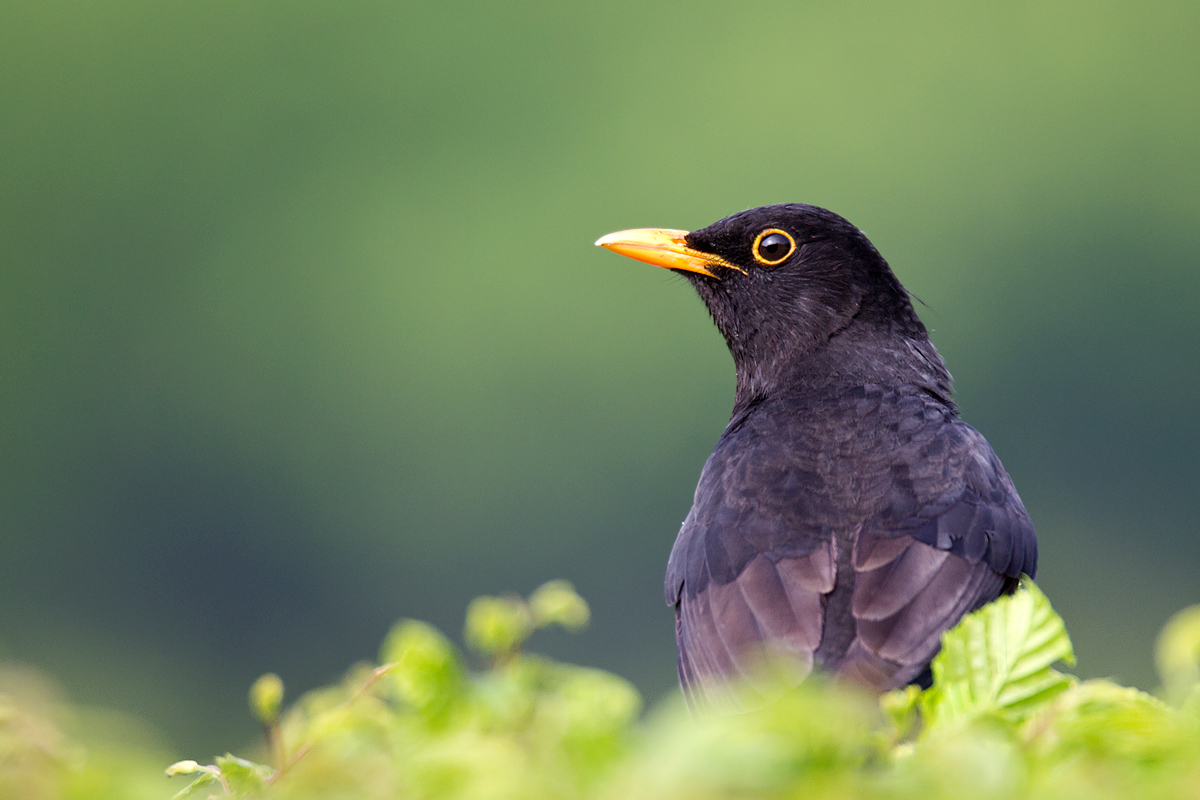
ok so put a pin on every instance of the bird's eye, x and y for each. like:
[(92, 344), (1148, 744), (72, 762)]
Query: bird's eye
[(773, 247)]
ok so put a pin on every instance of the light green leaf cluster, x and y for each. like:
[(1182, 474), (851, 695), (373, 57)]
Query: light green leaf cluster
[(499, 626), (999, 722)]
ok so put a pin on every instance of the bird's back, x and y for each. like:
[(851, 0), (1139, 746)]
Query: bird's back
[(849, 527)]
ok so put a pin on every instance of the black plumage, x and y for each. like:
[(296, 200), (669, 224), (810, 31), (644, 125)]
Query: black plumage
[(847, 515)]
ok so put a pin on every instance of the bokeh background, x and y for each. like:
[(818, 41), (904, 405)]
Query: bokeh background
[(302, 330)]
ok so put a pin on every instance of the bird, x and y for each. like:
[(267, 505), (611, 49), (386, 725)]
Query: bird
[(847, 517)]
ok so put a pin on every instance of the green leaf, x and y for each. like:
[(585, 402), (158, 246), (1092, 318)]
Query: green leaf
[(1177, 654), (428, 670), (266, 698), (207, 779), (557, 603), (208, 775), (1109, 722), (998, 661), (497, 625), (243, 777)]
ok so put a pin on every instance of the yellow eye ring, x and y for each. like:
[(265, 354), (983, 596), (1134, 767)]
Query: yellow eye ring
[(773, 247)]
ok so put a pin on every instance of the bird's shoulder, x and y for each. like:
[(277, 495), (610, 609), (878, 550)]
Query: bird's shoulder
[(827, 457)]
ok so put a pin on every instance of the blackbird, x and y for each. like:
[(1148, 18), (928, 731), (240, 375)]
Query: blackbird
[(847, 516)]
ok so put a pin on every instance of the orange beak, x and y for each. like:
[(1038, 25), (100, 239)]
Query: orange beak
[(663, 248)]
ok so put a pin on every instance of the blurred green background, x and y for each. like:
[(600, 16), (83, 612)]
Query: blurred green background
[(302, 330)]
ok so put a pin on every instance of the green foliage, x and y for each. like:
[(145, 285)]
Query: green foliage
[(426, 670), (999, 661), (230, 775), (498, 626), (999, 722)]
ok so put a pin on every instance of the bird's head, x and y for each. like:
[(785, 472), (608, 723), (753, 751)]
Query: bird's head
[(781, 282)]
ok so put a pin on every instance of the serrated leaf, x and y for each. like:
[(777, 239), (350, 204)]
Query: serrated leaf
[(999, 660)]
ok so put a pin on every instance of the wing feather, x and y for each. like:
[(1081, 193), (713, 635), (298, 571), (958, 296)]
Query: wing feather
[(722, 629)]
